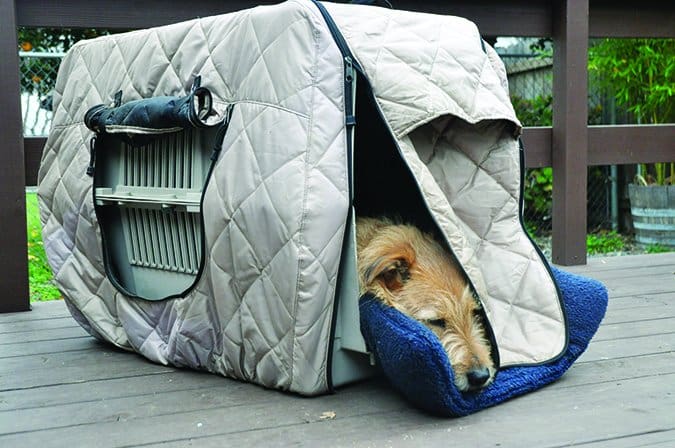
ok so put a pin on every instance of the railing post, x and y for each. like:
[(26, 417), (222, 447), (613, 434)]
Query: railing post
[(13, 241), (570, 131)]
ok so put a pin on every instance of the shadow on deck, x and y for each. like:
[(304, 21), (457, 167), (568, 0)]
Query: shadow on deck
[(59, 387)]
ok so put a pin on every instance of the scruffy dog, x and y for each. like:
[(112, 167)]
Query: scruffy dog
[(410, 271)]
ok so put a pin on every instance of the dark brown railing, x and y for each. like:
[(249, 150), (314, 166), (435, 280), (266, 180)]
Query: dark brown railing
[(569, 146)]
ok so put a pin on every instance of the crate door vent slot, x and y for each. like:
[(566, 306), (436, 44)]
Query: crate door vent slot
[(157, 239), (148, 201), (167, 162)]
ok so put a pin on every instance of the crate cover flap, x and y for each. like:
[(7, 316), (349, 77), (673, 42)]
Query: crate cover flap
[(445, 97)]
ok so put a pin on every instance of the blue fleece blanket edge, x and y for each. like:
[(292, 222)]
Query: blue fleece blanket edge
[(413, 360)]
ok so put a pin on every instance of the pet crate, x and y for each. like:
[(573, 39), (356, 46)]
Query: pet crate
[(219, 233)]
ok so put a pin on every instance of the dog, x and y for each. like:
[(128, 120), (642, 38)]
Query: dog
[(410, 271)]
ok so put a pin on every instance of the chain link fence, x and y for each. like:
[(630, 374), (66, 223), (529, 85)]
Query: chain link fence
[(37, 77)]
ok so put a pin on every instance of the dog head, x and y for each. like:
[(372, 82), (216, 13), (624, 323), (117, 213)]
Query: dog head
[(411, 272)]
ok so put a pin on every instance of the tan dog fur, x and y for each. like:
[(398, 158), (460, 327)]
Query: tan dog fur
[(410, 271)]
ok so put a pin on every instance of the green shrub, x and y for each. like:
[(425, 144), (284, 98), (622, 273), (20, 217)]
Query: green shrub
[(534, 112), (604, 242), (538, 192)]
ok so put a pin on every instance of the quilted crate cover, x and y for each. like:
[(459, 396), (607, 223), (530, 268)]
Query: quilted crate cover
[(276, 205)]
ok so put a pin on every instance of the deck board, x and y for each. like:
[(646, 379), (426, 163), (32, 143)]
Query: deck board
[(60, 387)]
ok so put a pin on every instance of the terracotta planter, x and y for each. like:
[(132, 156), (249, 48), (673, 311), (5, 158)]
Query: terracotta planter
[(653, 211)]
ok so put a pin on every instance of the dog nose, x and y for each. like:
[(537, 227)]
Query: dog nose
[(478, 377)]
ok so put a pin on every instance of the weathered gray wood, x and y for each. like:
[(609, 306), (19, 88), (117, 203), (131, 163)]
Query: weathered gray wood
[(130, 385), (624, 348), (57, 360), (655, 284), (36, 325), (48, 346), (627, 330), (101, 369), (587, 372), (663, 439), (596, 264), (228, 394), (79, 392), (646, 300), (159, 398), (648, 313), (637, 272), (52, 334), (42, 311), (362, 420)]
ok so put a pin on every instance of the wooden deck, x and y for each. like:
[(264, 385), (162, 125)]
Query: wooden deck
[(59, 387)]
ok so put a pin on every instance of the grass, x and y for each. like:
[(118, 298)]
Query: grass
[(39, 272)]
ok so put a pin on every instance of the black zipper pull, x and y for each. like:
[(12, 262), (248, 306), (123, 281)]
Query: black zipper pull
[(117, 99), (350, 120), (92, 156), (349, 70)]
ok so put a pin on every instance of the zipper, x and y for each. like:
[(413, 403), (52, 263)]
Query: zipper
[(350, 79), (351, 67)]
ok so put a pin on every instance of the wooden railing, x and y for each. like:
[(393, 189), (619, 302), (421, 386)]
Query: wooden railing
[(569, 146)]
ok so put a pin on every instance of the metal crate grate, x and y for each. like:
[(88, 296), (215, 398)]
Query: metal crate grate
[(165, 240), (165, 163)]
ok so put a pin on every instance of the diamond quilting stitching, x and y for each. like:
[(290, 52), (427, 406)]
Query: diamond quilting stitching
[(125, 54)]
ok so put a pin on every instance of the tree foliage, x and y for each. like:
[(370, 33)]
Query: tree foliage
[(54, 39), (38, 75), (640, 73)]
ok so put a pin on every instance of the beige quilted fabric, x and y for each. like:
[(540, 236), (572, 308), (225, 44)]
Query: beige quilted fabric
[(276, 205)]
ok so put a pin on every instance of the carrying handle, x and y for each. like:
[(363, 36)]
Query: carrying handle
[(139, 119)]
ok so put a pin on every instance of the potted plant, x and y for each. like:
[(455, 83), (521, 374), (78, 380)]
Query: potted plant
[(641, 74)]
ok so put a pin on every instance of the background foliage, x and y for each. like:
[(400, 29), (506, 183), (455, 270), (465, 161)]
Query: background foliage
[(640, 73)]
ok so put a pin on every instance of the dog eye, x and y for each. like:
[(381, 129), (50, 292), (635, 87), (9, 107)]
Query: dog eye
[(437, 322)]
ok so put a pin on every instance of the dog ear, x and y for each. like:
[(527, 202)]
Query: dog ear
[(391, 265), (390, 273)]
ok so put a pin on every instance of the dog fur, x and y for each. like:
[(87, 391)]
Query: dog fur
[(408, 270)]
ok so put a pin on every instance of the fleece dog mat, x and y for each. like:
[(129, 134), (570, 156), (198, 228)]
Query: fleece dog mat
[(415, 363)]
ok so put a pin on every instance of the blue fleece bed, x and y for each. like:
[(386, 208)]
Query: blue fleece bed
[(413, 360)]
